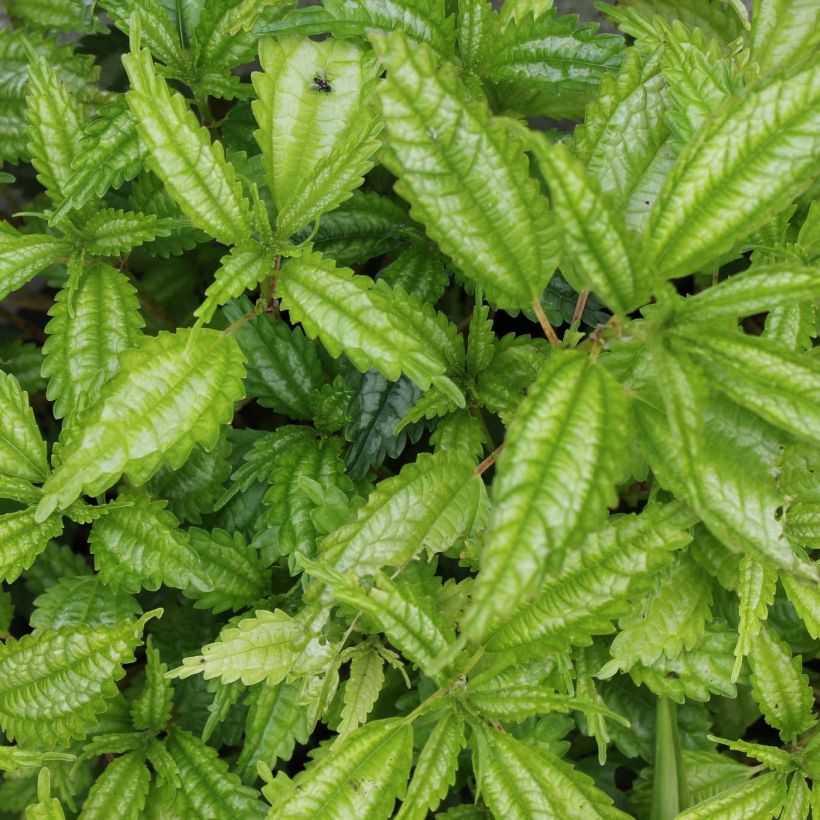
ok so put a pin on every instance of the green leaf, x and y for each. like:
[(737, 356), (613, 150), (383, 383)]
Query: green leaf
[(783, 31), (259, 648), (761, 797), (23, 256), (23, 538), (420, 269), (540, 55), (114, 233), (372, 324), (476, 28), (598, 249), (242, 269), (755, 590), (428, 506), (22, 449), (410, 622), (276, 722), (172, 391), (81, 600), (779, 760), (90, 326), (47, 807), (181, 154), (445, 149), (696, 673), (54, 684), (120, 790), (13, 758), (779, 686), (206, 788), (152, 709), (283, 366), (361, 689), (805, 598), (55, 122), (237, 573), (377, 755), (110, 154), (798, 799), (670, 619), (520, 781), (562, 454), (435, 769), (139, 547), (630, 171), (760, 288), (705, 208), (777, 384)]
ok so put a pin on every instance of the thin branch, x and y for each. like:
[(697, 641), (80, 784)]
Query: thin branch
[(489, 461), (580, 305), (548, 329)]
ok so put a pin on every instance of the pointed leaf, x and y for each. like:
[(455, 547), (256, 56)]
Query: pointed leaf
[(755, 590), (361, 689), (152, 709), (762, 797), (23, 256), (22, 449), (120, 790), (445, 151), (173, 391), (23, 538), (555, 480)]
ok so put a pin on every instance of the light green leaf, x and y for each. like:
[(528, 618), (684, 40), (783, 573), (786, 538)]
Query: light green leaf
[(476, 28), (761, 798), (114, 233), (759, 289), (777, 759), (259, 648), (520, 781), (88, 330), (361, 778), (798, 799), (110, 154), (335, 176), (23, 256), (276, 722), (206, 788), (599, 251), (23, 538), (81, 600), (670, 619), (805, 598), (55, 122), (372, 324), (783, 31), (53, 684), (47, 807), (139, 547), (120, 790), (781, 386), (625, 139), (540, 55), (361, 689), (779, 685), (181, 154), (22, 449), (445, 150), (300, 126), (428, 506), (12, 758), (745, 165), (152, 708), (755, 590), (243, 268), (173, 391), (563, 454)]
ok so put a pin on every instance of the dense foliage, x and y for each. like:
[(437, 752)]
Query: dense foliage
[(367, 452)]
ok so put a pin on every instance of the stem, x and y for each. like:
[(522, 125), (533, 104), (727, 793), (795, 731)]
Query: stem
[(670, 794), (580, 305), (234, 326), (548, 329), (489, 461)]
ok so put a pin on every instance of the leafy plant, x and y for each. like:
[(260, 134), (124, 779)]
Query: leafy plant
[(367, 452)]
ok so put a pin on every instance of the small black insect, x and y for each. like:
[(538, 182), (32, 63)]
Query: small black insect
[(320, 83)]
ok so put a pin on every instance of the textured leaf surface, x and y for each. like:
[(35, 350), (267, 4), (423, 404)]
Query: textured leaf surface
[(152, 709), (361, 779), (171, 392), (259, 648), (783, 31), (23, 538), (761, 797), (121, 788), (371, 324), (521, 781), (555, 480), (181, 154), (362, 689), (54, 684), (596, 243), (89, 328), (22, 449), (487, 213), (751, 160), (23, 256)]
